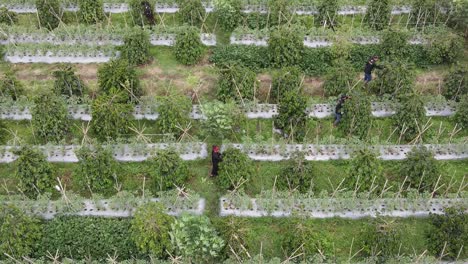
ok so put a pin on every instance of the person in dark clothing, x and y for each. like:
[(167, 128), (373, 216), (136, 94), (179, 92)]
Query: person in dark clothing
[(216, 158), (338, 109), (148, 12), (370, 65)]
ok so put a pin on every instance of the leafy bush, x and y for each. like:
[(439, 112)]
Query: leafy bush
[(279, 12), (456, 83), (121, 75), (49, 13), (317, 61), (328, 13), (80, 238), (169, 170), (394, 43), (291, 116), (285, 47), (34, 172), (339, 79), (410, 117), (228, 13), (357, 119), (220, 118), (150, 230), (136, 48), (50, 118), (96, 170), (10, 86), (283, 81), (91, 11), (424, 12), (19, 233), (7, 17), (461, 116), (188, 48), (111, 115), (382, 240), (3, 129), (365, 173), (234, 231), (236, 83), (378, 14), (458, 18), (137, 11), (395, 78), (297, 175), (235, 168), (421, 169), (195, 239), (443, 46), (174, 114), (191, 12), (252, 57), (448, 234), (67, 83)]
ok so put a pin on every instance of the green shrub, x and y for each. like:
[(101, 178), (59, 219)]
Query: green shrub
[(448, 234), (425, 12), (394, 44), (285, 47), (50, 118), (228, 13), (378, 14), (136, 48), (235, 168), (150, 230), (195, 239), (395, 78), (49, 13), (357, 117), (174, 114), (120, 75), (169, 170), (339, 79), (283, 81), (3, 130), (410, 117), (10, 86), (458, 19), (255, 20), (297, 175), (328, 13), (456, 83), (220, 118), (291, 118), (137, 12), (67, 83), (381, 239), (279, 12), (317, 61), (236, 83), (7, 17), (365, 172), (461, 116), (96, 170), (252, 57), (111, 116), (34, 172), (90, 238), (91, 11), (443, 46), (421, 169), (234, 231), (191, 12), (19, 233), (188, 48)]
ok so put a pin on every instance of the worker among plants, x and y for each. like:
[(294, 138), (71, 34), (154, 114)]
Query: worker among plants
[(370, 65), (216, 158), (148, 12), (339, 109)]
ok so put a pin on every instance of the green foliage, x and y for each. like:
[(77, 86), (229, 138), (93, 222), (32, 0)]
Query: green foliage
[(236, 168), (236, 83), (191, 12), (410, 117), (279, 12), (394, 44), (3, 134), (297, 175), (291, 116), (357, 116), (90, 11), (67, 83), (174, 114), (111, 115), (424, 12), (91, 238), (96, 170), (10, 86), (421, 169), (448, 234), (136, 48), (169, 170), (137, 12), (382, 240), (318, 61), (150, 230), (234, 231), (49, 13), (461, 116), (195, 239), (50, 118), (252, 57), (188, 48), (339, 79), (220, 118), (378, 14), (283, 81), (19, 233), (443, 46), (7, 17), (285, 47), (395, 78), (328, 13), (34, 172), (365, 173), (121, 75), (458, 18), (456, 83), (228, 13)]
